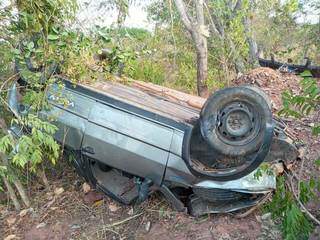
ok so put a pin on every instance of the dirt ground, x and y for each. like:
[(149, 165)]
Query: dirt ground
[(72, 214), (70, 210)]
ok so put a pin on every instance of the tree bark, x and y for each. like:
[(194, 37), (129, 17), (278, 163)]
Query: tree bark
[(12, 194), (202, 69), (198, 33), (22, 192), (43, 177), (253, 48), (202, 51)]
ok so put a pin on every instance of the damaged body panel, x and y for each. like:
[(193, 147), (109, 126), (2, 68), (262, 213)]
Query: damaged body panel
[(129, 142)]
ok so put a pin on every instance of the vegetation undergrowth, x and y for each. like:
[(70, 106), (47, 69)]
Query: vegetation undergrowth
[(288, 204)]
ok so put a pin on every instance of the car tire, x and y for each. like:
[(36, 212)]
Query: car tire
[(261, 93), (233, 121)]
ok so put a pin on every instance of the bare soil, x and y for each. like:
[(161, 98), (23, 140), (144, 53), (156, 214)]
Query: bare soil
[(74, 214)]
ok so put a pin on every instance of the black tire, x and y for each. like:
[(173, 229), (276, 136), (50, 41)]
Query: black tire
[(261, 92), (234, 120)]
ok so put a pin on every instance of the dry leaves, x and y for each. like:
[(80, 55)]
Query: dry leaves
[(86, 187), (273, 82), (113, 207), (11, 220), (92, 197), (58, 191), (278, 168), (24, 212), (11, 237)]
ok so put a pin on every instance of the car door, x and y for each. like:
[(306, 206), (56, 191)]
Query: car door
[(70, 110), (127, 141)]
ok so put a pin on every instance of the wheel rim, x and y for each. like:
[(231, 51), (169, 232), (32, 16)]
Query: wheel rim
[(237, 123)]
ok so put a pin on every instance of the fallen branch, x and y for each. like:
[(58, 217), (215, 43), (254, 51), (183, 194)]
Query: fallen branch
[(122, 222), (110, 226)]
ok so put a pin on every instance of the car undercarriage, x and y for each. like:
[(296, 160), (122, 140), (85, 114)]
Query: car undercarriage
[(130, 140)]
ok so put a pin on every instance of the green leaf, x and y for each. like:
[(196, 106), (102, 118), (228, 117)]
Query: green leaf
[(316, 130), (6, 143), (317, 162), (30, 45), (52, 37), (16, 51), (306, 73)]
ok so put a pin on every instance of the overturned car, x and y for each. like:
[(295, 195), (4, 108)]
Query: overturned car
[(132, 140)]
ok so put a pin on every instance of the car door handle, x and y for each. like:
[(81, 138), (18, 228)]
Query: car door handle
[(88, 149)]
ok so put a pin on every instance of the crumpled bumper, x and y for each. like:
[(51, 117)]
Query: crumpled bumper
[(250, 183), (230, 196)]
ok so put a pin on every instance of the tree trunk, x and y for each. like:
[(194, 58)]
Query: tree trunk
[(22, 192), (198, 33), (202, 69), (12, 194), (42, 175), (253, 49), (202, 51)]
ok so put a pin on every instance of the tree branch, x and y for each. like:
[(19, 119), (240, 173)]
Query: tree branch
[(181, 7), (237, 7), (216, 25), (213, 25), (199, 11)]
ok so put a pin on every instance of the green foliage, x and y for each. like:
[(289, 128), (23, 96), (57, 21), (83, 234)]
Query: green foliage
[(232, 22), (147, 70), (307, 190), (3, 173), (131, 33), (32, 148), (31, 31), (284, 37), (303, 104), (295, 224), (119, 56), (42, 16), (264, 168)]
